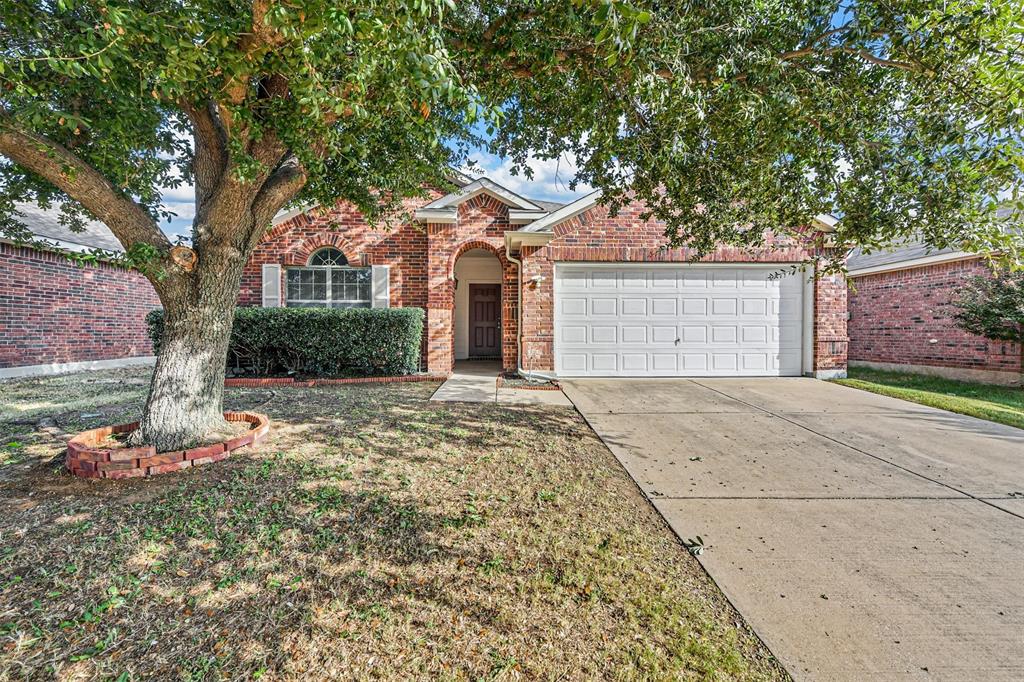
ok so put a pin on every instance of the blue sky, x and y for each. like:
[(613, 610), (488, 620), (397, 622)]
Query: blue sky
[(550, 182)]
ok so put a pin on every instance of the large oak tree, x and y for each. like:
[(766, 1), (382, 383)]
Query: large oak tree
[(729, 119)]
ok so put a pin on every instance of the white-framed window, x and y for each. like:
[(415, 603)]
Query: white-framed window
[(327, 281)]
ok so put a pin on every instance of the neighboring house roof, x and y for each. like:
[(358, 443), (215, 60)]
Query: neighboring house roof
[(907, 253), (45, 224)]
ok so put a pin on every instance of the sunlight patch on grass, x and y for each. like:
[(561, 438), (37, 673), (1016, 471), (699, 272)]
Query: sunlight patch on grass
[(1001, 404)]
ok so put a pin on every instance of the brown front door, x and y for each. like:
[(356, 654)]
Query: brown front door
[(484, 320)]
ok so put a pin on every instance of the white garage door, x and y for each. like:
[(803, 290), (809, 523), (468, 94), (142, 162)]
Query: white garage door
[(677, 320)]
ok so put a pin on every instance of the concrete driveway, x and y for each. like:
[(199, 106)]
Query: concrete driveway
[(862, 537)]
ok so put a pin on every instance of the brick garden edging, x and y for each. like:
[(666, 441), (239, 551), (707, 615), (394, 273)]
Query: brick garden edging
[(86, 459), (261, 382)]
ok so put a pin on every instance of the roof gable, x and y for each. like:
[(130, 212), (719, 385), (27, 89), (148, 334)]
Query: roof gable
[(483, 186), (567, 212)]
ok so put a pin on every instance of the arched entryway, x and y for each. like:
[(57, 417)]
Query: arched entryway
[(478, 277), (459, 280)]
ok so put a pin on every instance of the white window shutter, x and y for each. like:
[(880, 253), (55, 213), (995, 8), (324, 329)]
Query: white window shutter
[(271, 286), (381, 286)]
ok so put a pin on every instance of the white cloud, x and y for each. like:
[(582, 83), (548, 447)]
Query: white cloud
[(551, 177), (184, 210), (180, 193)]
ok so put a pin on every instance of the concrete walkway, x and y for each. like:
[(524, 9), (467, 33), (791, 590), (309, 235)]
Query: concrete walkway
[(475, 381), (862, 537)]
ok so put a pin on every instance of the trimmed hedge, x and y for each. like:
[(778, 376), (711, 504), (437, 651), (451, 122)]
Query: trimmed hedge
[(319, 341)]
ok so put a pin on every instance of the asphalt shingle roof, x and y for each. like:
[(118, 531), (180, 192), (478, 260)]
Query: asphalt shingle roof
[(904, 251), (899, 252), (45, 224)]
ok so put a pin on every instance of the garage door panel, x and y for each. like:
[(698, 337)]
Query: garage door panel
[(754, 362), (572, 306), (604, 307), (572, 334), (688, 320), (664, 307), (755, 306), (634, 334), (754, 334), (665, 362), (689, 333), (724, 362), (634, 279), (724, 307), (634, 307), (635, 363), (695, 306), (694, 362), (662, 334), (664, 279), (723, 334)]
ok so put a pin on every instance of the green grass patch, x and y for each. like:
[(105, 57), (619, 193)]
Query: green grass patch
[(1001, 404)]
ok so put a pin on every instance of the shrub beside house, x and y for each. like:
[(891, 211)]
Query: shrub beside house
[(328, 342), (59, 316)]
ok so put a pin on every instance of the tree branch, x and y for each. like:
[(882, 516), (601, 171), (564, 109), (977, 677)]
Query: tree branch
[(278, 190), (211, 154), (129, 221)]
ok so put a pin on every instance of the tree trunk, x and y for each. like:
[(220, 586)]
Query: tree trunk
[(186, 395)]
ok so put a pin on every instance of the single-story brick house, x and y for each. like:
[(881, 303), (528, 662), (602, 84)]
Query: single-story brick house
[(564, 290), (901, 316), (58, 316)]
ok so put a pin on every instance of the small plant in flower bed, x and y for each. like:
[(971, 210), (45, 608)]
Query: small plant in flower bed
[(322, 342)]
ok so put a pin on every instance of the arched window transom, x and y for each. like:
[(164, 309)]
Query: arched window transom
[(330, 256)]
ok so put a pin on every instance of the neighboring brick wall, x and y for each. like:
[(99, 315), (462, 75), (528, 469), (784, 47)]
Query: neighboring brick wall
[(596, 236), (895, 316), (54, 311)]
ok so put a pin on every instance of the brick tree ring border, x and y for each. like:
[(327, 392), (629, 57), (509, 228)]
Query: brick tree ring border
[(87, 459)]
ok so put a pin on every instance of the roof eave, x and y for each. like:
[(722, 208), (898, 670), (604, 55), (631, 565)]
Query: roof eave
[(910, 264), (516, 239), (567, 212), (523, 217)]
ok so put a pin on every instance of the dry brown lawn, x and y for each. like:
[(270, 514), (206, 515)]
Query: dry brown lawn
[(374, 535)]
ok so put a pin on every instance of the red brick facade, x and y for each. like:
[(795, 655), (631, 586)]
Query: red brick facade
[(54, 311), (423, 257), (904, 318)]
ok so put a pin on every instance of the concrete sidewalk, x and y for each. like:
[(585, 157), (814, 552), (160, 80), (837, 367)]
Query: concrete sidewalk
[(475, 381), (861, 536)]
